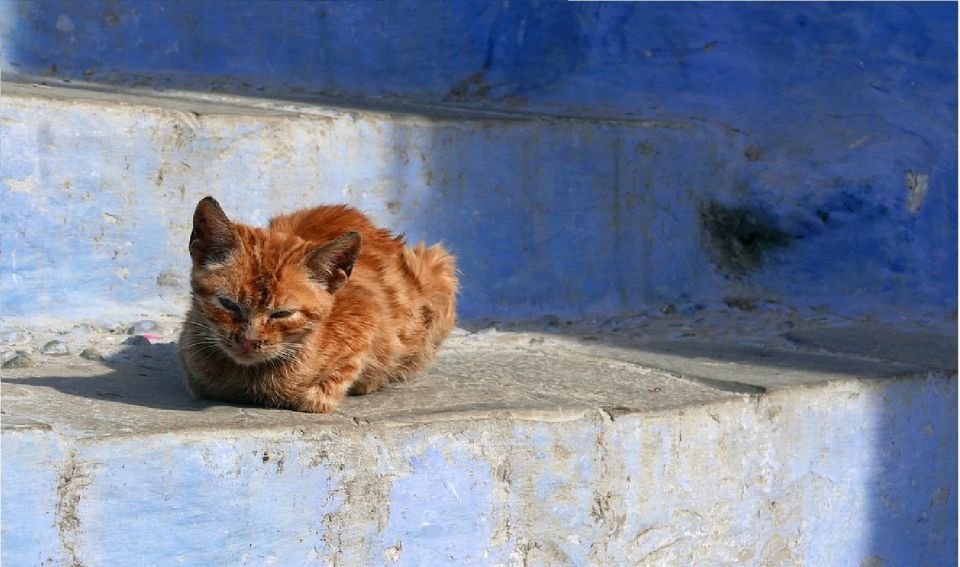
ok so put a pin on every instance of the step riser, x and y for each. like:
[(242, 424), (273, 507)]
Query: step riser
[(825, 476), (565, 217)]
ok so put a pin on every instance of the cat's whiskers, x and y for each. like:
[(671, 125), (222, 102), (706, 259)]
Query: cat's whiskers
[(286, 356), (206, 336), (206, 349), (208, 342), (195, 324)]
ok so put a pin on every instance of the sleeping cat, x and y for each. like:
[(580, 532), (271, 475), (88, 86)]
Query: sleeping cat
[(319, 304)]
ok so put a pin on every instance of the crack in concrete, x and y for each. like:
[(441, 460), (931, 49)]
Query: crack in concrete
[(70, 488)]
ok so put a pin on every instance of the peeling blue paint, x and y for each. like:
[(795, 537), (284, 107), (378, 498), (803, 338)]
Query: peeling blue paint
[(629, 120), (843, 473), (237, 496), (439, 500), (813, 112), (33, 537)]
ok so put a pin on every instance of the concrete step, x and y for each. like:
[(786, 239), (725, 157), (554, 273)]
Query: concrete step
[(737, 211), (571, 215), (715, 418), (641, 441), (100, 185)]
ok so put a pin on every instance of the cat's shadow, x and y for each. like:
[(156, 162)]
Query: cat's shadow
[(146, 375), (143, 375)]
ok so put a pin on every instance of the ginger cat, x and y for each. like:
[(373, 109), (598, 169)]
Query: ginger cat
[(319, 304)]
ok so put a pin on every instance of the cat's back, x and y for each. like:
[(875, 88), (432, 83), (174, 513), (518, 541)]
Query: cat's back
[(326, 222)]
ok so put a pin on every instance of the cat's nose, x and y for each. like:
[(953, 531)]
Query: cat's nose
[(247, 346)]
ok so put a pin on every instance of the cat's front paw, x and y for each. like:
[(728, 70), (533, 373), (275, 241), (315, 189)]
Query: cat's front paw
[(316, 407), (363, 388), (315, 400)]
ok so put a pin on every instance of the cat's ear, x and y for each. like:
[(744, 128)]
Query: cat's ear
[(333, 262), (213, 237)]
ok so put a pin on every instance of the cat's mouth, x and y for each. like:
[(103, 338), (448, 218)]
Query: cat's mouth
[(249, 358), (246, 356), (254, 358)]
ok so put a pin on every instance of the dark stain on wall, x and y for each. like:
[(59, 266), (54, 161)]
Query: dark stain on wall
[(740, 237)]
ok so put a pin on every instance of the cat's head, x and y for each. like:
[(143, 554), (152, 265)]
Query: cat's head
[(261, 292)]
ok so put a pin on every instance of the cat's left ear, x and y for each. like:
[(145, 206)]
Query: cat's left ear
[(213, 238), (333, 262)]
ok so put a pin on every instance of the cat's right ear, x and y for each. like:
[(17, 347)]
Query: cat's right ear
[(213, 237), (333, 262)]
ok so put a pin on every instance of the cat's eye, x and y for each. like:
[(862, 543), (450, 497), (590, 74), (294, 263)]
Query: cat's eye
[(229, 305), (282, 314)]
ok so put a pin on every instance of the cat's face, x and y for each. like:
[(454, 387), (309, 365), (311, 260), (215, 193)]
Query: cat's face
[(258, 311), (260, 292)]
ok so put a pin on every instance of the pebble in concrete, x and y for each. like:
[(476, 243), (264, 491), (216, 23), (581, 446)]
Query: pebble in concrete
[(91, 353), (84, 329), (15, 336), (55, 348), (168, 278), (144, 326), (18, 359)]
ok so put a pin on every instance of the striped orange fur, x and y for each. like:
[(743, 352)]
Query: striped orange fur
[(319, 304)]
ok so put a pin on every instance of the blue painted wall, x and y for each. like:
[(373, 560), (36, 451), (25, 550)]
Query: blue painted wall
[(740, 63), (840, 112)]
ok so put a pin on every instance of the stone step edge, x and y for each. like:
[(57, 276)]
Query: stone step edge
[(201, 102), (304, 427)]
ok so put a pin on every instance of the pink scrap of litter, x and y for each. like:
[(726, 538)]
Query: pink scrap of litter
[(151, 337)]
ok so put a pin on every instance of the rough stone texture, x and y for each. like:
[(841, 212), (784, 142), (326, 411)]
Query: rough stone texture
[(508, 452), (695, 169), (55, 348), (835, 125), (884, 343), (101, 243), (579, 214)]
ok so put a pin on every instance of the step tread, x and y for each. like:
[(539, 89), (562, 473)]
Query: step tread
[(488, 375)]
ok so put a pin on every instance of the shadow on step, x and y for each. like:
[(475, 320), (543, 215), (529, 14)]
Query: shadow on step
[(142, 375), (149, 375)]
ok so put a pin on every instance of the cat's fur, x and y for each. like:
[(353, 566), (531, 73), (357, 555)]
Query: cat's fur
[(319, 304)]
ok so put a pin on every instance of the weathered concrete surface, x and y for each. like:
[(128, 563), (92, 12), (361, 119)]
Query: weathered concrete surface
[(517, 448), (580, 159), (515, 197), (906, 345), (561, 215)]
